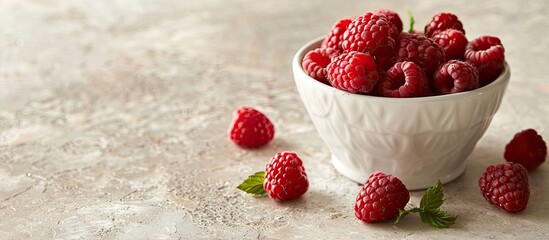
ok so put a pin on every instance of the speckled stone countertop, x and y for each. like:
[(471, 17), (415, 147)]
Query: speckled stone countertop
[(113, 120)]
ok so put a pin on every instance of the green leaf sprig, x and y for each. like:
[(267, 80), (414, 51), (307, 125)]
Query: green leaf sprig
[(429, 209), (412, 21), (254, 184)]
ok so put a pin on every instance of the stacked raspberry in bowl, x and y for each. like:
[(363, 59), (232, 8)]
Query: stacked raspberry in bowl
[(371, 55), (408, 104)]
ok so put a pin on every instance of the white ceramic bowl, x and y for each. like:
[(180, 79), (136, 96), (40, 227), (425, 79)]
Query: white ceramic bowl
[(418, 140)]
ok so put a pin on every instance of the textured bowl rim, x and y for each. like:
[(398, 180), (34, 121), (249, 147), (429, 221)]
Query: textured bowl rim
[(501, 81)]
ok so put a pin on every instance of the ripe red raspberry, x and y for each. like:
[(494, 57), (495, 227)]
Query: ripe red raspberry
[(353, 72), (335, 36), (488, 55), (315, 62), (526, 148), (420, 50), (250, 128), (285, 177), (371, 33), (441, 22), (392, 17), (417, 33), (404, 79), (506, 186), (455, 76), (453, 43), (380, 198)]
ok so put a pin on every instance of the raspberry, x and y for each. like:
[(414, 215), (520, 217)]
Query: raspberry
[(505, 185), (335, 36), (285, 177), (417, 33), (526, 148), (488, 55), (316, 61), (250, 128), (404, 79), (392, 17), (453, 43), (455, 76), (385, 56), (353, 72), (441, 22), (420, 50), (380, 198), (371, 33)]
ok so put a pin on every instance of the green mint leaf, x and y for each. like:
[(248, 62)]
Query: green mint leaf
[(412, 21), (439, 219), (433, 198), (429, 209), (254, 184)]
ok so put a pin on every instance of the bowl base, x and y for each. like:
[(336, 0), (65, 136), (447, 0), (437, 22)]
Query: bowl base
[(411, 184)]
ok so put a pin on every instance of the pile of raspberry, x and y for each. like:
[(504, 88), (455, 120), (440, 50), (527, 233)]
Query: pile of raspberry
[(370, 54)]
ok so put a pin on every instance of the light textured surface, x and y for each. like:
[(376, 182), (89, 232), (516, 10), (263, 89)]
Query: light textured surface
[(113, 120)]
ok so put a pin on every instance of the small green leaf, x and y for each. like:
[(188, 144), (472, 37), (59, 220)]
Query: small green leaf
[(439, 219), (254, 184), (433, 198), (412, 21), (429, 209)]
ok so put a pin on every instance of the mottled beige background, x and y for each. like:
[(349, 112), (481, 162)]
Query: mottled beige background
[(113, 119)]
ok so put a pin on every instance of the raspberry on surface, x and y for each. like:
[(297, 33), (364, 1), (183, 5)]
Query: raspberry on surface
[(335, 36), (315, 62), (453, 42), (420, 50), (526, 148), (506, 186), (455, 76), (353, 72), (488, 55), (250, 128), (404, 79), (441, 22), (285, 177), (380, 198), (393, 18), (371, 33)]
